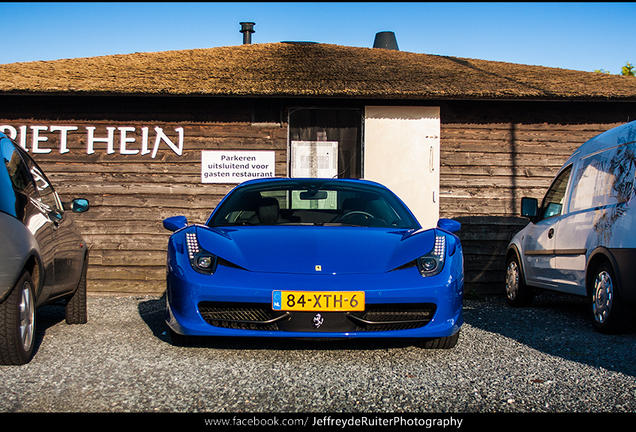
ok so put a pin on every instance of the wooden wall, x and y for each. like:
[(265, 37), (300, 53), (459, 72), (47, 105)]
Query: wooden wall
[(130, 195), (485, 170)]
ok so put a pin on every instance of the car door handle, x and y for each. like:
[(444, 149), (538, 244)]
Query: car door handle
[(551, 233), (55, 217)]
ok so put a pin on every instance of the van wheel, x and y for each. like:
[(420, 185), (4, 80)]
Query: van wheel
[(17, 323), (517, 292), (609, 313)]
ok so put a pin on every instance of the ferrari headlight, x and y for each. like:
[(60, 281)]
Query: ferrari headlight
[(433, 262), (201, 260)]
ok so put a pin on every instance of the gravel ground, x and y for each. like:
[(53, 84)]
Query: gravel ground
[(542, 359)]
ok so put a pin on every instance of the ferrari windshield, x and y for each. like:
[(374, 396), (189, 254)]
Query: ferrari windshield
[(312, 202)]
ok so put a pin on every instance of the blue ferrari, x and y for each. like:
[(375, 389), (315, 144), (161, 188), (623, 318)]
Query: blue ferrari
[(314, 258)]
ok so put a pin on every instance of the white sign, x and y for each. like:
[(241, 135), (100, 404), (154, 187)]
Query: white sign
[(236, 166), (314, 159)]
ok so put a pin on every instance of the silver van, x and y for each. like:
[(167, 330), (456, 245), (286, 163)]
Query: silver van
[(581, 238)]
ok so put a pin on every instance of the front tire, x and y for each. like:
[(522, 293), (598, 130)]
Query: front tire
[(517, 292), (17, 323), (609, 314), (447, 342), (180, 340), (76, 309)]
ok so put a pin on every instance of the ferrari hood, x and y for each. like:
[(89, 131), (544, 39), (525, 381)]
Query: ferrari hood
[(312, 249)]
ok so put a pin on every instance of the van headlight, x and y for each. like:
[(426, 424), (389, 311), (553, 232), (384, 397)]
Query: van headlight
[(201, 260), (433, 262)]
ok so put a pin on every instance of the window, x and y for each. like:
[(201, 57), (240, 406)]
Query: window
[(18, 171), (553, 201), (28, 179), (320, 137), (47, 194), (604, 178), (321, 202)]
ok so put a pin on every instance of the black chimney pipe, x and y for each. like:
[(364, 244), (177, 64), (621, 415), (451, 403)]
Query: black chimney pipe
[(386, 40), (247, 28)]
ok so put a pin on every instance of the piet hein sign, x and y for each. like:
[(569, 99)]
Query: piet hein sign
[(216, 166), (116, 139)]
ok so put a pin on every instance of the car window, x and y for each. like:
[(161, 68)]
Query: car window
[(18, 171), (553, 200), (45, 190), (7, 193), (27, 178), (324, 203)]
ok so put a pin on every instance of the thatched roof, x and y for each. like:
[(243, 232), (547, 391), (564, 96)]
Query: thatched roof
[(317, 70)]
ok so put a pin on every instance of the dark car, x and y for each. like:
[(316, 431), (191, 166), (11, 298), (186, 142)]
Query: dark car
[(43, 257)]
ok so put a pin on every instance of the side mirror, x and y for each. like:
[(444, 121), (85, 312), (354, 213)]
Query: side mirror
[(80, 205), (449, 225), (529, 207), (175, 223)]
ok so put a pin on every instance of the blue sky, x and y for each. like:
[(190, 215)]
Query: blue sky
[(581, 36)]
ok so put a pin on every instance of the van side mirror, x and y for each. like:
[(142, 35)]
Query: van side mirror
[(529, 207)]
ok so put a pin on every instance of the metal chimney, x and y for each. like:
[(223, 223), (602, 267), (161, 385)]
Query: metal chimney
[(247, 28), (386, 40)]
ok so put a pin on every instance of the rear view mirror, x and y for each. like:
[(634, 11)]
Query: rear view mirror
[(313, 195), (175, 223), (529, 207), (449, 225)]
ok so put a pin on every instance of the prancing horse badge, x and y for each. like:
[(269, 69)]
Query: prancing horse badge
[(318, 320)]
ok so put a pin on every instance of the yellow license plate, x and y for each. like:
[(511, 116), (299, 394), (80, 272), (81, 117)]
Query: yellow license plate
[(324, 301)]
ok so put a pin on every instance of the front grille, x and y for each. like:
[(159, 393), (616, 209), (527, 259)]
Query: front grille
[(393, 317), (246, 316), (258, 316)]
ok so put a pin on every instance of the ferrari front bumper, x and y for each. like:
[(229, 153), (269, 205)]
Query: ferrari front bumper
[(236, 302)]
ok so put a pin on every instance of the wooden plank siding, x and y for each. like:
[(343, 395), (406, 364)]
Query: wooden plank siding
[(130, 195), (485, 170)]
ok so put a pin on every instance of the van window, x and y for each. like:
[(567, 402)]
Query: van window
[(553, 201), (604, 178)]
